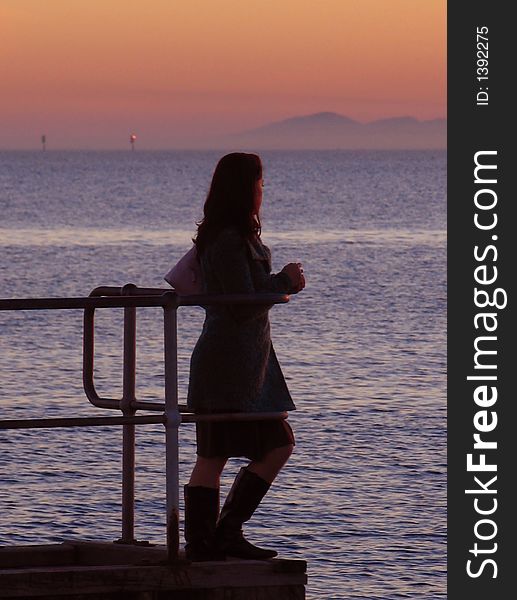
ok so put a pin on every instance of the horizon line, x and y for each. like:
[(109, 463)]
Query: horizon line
[(215, 149)]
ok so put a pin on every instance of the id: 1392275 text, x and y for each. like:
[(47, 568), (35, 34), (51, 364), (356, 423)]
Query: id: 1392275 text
[(482, 66)]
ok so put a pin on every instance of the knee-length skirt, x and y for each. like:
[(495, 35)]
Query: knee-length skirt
[(249, 439)]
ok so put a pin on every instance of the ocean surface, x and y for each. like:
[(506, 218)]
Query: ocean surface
[(363, 350)]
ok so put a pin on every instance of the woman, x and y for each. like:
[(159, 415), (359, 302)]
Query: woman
[(234, 367)]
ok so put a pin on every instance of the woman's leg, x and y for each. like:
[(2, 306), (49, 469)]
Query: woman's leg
[(270, 465), (249, 487), (202, 509), (207, 471)]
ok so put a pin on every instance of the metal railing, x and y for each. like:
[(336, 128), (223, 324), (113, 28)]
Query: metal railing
[(172, 414)]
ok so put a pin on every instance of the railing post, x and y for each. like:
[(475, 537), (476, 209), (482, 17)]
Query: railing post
[(172, 423), (128, 431)]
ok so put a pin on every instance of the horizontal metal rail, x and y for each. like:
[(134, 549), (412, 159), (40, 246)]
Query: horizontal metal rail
[(136, 420), (131, 289), (75, 303), (79, 422), (141, 300)]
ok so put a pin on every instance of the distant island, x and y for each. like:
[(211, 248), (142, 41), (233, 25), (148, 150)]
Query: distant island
[(329, 130)]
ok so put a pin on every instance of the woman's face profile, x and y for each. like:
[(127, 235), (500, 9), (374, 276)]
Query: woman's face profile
[(259, 184)]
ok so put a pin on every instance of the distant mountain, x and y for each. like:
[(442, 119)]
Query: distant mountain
[(328, 130)]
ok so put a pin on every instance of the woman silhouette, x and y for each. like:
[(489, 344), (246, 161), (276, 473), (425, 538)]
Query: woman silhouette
[(234, 367)]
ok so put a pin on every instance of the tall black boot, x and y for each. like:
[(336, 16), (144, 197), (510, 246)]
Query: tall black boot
[(247, 491), (201, 512)]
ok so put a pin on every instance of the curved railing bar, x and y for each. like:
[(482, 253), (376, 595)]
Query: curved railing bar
[(88, 360), (163, 296)]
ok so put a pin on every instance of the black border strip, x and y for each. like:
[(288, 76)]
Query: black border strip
[(477, 127)]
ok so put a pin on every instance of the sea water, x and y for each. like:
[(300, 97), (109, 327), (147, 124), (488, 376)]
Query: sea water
[(363, 497)]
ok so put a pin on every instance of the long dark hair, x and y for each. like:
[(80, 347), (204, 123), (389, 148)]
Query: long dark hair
[(231, 198)]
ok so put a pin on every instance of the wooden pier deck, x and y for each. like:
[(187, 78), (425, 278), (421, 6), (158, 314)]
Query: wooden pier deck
[(78, 570)]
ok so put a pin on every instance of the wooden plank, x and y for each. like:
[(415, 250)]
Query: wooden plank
[(16, 583), (12, 557), (103, 553), (78, 569), (262, 593)]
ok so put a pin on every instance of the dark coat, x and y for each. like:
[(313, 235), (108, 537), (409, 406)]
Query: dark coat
[(233, 366)]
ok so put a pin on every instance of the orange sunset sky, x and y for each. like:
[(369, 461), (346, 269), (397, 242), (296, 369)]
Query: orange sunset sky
[(89, 72)]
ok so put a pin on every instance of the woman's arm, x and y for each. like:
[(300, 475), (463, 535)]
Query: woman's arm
[(229, 260), (292, 279), (277, 282)]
